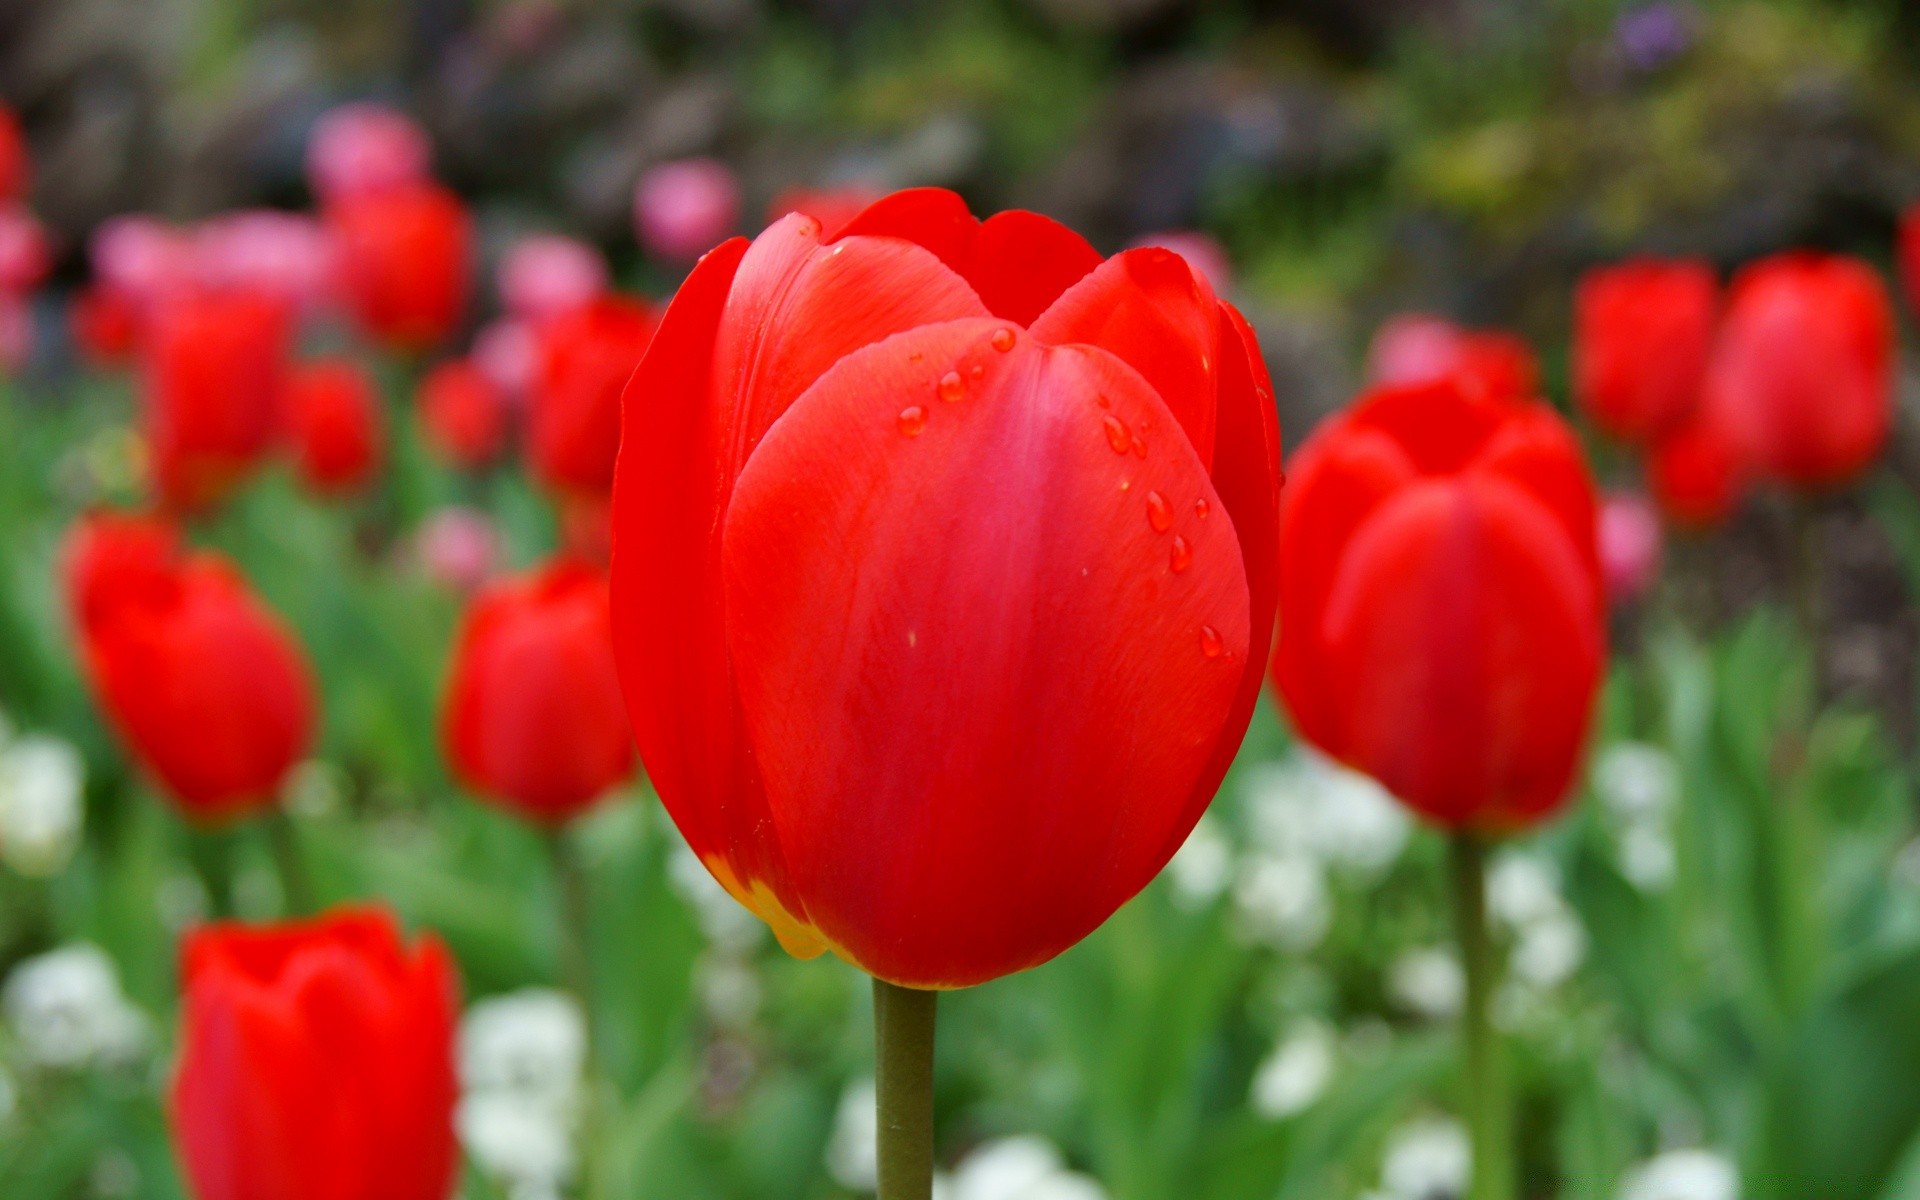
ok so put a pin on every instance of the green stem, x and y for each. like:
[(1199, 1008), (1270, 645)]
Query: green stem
[(1808, 610), (572, 938), (1489, 1115), (296, 886), (211, 853), (903, 1020)]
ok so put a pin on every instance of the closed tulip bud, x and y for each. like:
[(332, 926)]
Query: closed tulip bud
[(1802, 372), (334, 421), (1630, 546), (573, 423), (546, 274), (403, 258), (463, 414), (1697, 472), (1441, 601), (25, 254), (316, 1062), (358, 149), (1909, 255), (16, 164), (533, 717), (1642, 330), (684, 208), (205, 686), (943, 575), (214, 365), (142, 256), (287, 254), (105, 324)]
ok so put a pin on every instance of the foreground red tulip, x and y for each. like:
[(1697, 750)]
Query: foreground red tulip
[(316, 1062), (586, 358), (1442, 601), (463, 415), (1642, 330), (214, 364), (1802, 373), (207, 689), (334, 421), (943, 575), (404, 260), (533, 716)]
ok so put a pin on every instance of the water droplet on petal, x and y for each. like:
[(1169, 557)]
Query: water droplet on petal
[(1159, 512), (976, 371), (952, 387), (1210, 643), (1181, 556), (1117, 435), (913, 420), (1282, 481), (1002, 339), (1201, 508), (1140, 446)]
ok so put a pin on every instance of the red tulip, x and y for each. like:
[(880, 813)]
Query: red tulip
[(463, 416), (1696, 472), (316, 1062), (533, 716), (403, 256), (1642, 330), (1909, 254), (206, 687), (25, 253), (214, 366), (16, 164), (105, 324), (586, 357), (1441, 600), (943, 577), (335, 423), (1802, 373)]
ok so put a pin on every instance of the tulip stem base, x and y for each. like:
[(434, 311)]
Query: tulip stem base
[(903, 1020), (1489, 1114)]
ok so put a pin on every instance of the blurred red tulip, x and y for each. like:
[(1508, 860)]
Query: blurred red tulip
[(545, 275), (357, 149), (105, 324), (944, 576), (1696, 472), (683, 209), (1441, 600), (16, 163), (1416, 348), (832, 206), (335, 423), (316, 1062), (463, 415), (1802, 372), (1909, 255), (1642, 331), (25, 256), (207, 688), (533, 717), (1630, 546), (404, 263), (214, 364), (573, 423)]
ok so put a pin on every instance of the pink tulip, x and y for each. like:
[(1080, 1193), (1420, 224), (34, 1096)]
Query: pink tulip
[(24, 253), (1412, 347), (457, 547), (360, 148), (547, 274), (141, 256), (1630, 544), (685, 208), (281, 252)]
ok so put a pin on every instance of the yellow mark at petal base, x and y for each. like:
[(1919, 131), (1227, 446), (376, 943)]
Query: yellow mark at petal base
[(796, 936)]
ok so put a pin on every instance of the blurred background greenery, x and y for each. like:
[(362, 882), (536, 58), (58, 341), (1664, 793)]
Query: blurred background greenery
[(1715, 955)]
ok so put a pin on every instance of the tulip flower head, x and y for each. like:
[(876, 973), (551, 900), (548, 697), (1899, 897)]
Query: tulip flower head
[(457, 547), (403, 261), (284, 253), (683, 209), (533, 719), (1698, 472), (1441, 606), (316, 1062), (943, 577), (546, 275), (358, 149), (463, 414), (334, 421), (16, 164), (1642, 331), (1909, 254), (1802, 372), (1417, 348), (205, 686), (25, 254), (1630, 546), (105, 323), (573, 424)]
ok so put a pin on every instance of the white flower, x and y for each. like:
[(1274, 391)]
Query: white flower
[(1203, 866), (853, 1153), (1428, 981), (1682, 1175), (1635, 780), (521, 1061), (67, 1010), (1018, 1168), (1548, 951), (1646, 856), (725, 921), (1297, 1071), (1283, 902), (42, 782), (1523, 888), (1309, 804), (1427, 1159), (1549, 943)]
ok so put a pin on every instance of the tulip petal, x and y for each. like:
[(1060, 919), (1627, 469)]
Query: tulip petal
[(981, 676), (1019, 262), (1538, 452), (1157, 314)]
